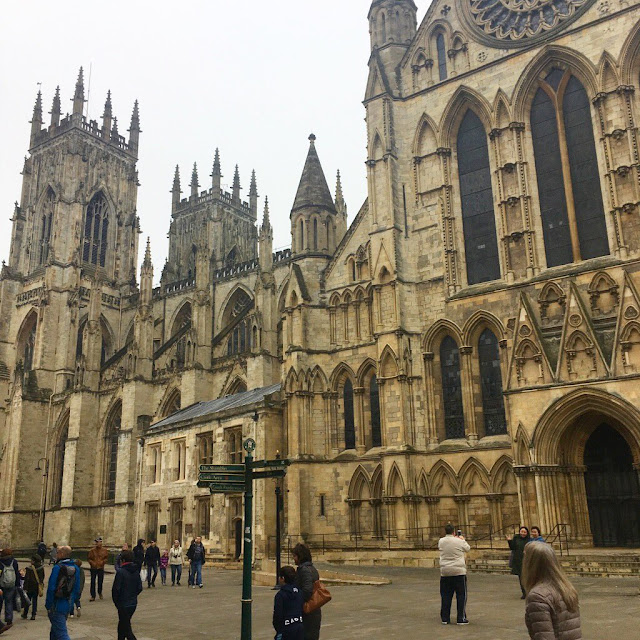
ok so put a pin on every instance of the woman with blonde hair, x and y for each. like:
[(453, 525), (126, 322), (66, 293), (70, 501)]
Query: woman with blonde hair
[(552, 611)]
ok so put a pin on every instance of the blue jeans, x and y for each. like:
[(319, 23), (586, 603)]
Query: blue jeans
[(196, 571), (8, 597), (176, 569), (58, 626)]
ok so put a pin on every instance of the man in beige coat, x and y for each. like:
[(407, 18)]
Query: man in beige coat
[(453, 575)]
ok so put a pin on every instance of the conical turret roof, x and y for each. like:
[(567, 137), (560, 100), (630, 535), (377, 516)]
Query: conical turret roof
[(313, 190)]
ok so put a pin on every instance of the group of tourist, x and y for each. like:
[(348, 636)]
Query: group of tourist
[(551, 608)]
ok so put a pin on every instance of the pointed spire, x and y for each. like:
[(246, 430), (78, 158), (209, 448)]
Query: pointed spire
[(134, 128), (194, 181), (253, 195), (107, 117), (266, 222), (147, 254), (341, 205), (235, 192), (313, 190), (36, 120), (56, 108), (78, 98), (216, 174), (176, 190), (115, 136)]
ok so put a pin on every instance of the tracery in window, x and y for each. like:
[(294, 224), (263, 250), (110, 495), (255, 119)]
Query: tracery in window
[(442, 57), (349, 424), (96, 231), (112, 435), (57, 468), (495, 421), (45, 228), (476, 195), (451, 389), (571, 205), (374, 404)]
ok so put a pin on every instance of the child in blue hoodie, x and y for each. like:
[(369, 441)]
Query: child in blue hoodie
[(287, 607)]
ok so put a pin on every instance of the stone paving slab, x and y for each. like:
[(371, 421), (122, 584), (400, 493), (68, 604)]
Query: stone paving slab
[(408, 608)]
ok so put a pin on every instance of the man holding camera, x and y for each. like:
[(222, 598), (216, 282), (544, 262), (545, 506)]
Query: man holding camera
[(453, 574)]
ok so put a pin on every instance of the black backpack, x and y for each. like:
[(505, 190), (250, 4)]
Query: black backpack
[(66, 581)]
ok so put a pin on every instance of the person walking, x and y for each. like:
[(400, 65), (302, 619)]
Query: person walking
[(190, 558), (33, 585), (118, 563), (138, 553), (536, 535), (517, 545), (97, 559), (306, 576), (287, 607), (77, 606), (175, 562), (42, 550), (62, 591), (3, 626), (152, 560), (552, 611), (124, 593), (453, 575), (9, 582), (164, 563), (53, 553), (197, 558)]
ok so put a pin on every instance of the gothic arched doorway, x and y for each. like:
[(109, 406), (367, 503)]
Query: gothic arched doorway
[(613, 489)]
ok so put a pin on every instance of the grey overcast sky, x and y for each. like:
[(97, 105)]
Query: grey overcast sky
[(253, 78)]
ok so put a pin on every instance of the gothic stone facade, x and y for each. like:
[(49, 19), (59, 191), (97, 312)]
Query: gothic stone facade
[(467, 350)]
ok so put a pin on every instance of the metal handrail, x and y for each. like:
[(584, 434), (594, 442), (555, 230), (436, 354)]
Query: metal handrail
[(559, 534)]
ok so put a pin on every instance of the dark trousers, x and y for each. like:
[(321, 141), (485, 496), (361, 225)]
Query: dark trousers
[(521, 586), (150, 568), (124, 623), (176, 571), (7, 599), (34, 605), (448, 586), (99, 574)]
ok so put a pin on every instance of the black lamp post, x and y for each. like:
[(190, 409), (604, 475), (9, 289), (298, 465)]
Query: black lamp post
[(43, 501), (278, 528)]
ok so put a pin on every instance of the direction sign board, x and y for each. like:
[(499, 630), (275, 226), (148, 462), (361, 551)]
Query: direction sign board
[(271, 463), (222, 487), (221, 477), (273, 473), (222, 468)]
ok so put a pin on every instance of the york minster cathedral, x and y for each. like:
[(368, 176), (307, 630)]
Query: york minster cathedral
[(466, 350)]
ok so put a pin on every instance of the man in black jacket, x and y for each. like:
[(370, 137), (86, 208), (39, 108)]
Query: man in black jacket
[(126, 587), (138, 554), (152, 559)]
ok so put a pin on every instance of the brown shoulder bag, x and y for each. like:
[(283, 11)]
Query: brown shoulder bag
[(318, 599)]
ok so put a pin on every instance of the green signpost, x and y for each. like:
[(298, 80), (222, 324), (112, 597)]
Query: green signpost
[(238, 478)]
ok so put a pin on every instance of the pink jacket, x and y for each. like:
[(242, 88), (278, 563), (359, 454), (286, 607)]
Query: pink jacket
[(164, 562)]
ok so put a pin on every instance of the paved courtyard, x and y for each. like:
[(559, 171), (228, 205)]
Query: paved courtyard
[(407, 609)]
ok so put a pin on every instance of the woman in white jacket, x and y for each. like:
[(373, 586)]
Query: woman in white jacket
[(175, 562)]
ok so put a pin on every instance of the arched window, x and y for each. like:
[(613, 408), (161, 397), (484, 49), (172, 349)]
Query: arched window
[(451, 389), (442, 57), (96, 231), (476, 195), (111, 450), (571, 206), (315, 233), (172, 405), (495, 420), (374, 403), (349, 424), (181, 324), (240, 339), (57, 469), (29, 348), (384, 28), (46, 222), (301, 236)]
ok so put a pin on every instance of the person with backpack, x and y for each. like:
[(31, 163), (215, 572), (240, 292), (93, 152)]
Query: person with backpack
[(77, 605), (126, 588), (287, 607), (9, 582), (42, 550), (138, 553), (97, 559), (62, 591), (33, 585)]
